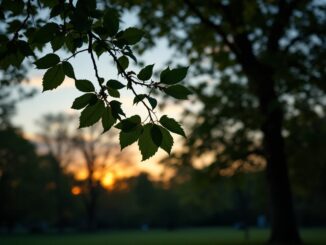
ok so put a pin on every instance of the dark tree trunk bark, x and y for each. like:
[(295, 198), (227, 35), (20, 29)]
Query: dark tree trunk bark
[(91, 224), (284, 229), (91, 203), (60, 220)]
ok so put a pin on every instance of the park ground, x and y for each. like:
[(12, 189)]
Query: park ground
[(200, 236)]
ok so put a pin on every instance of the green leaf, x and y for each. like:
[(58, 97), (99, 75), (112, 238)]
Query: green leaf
[(47, 61), (111, 21), (107, 119), (178, 92), (173, 76), (53, 77), (116, 109), (146, 73), (152, 101), (172, 125), (70, 43), (16, 6), (99, 48), (46, 33), (91, 114), (24, 48), (139, 98), (57, 42), (129, 53), (156, 135), (127, 138), (129, 124), (84, 100), (167, 140), (113, 92), (132, 35), (145, 143), (114, 84), (84, 85), (56, 10), (123, 63), (80, 21), (68, 69)]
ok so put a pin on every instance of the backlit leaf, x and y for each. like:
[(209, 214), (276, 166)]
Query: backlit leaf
[(91, 114), (115, 84), (173, 76), (107, 119), (123, 63), (129, 124), (132, 35), (111, 21), (46, 33), (113, 92), (127, 138), (146, 144), (145, 73), (152, 101), (47, 61), (167, 140), (178, 92), (84, 85), (172, 125), (84, 100), (139, 98), (116, 109), (68, 69), (156, 135), (53, 77)]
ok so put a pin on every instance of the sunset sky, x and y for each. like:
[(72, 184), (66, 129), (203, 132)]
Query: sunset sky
[(60, 99)]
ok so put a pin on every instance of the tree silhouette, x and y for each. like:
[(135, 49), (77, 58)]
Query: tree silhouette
[(262, 58)]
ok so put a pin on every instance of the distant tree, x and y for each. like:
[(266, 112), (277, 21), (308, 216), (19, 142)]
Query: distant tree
[(100, 154), (84, 148), (145, 192), (55, 134), (20, 177), (262, 59), (307, 165), (11, 93)]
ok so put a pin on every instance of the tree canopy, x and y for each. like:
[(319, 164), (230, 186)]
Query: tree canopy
[(264, 65)]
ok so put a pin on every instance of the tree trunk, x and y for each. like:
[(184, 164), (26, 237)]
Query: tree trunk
[(283, 224), (91, 203), (284, 229), (91, 224)]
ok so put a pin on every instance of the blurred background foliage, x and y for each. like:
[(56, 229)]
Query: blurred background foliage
[(218, 174)]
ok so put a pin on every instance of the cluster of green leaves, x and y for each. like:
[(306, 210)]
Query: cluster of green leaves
[(74, 26)]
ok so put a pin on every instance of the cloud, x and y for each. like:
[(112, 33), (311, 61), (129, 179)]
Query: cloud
[(35, 81)]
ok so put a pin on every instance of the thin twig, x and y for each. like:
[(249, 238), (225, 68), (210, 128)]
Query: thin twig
[(212, 25), (16, 35), (125, 75), (73, 55)]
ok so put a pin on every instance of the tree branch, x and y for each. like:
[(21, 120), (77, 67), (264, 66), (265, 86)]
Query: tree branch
[(212, 25), (125, 75), (16, 34), (280, 23)]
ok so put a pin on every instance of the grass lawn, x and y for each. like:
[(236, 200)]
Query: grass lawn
[(200, 236)]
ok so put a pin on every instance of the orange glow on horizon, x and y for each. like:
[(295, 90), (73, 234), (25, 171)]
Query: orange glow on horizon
[(108, 180), (80, 174), (76, 190)]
